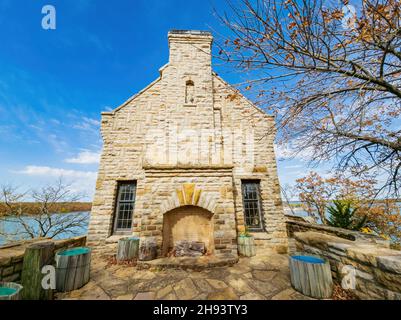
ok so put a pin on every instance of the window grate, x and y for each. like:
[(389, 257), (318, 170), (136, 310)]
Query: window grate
[(125, 206), (251, 201)]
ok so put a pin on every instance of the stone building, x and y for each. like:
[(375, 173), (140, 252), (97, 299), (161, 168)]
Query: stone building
[(188, 158)]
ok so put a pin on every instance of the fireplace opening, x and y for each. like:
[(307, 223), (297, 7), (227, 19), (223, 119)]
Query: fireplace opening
[(188, 231)]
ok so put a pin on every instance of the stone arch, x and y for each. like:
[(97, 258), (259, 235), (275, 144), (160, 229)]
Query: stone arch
[(189, 194), (189, 92)]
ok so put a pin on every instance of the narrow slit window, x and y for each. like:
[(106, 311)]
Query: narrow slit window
[(125, 206), (189, 92), (251, 202)]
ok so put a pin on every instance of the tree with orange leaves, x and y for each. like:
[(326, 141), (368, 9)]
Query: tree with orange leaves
[(317, 193), (330, 73)]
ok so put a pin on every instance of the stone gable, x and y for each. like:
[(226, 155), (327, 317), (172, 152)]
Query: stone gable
[(188, 140)]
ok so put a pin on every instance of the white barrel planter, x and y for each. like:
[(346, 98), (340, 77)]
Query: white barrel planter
[(311, 275), (246, 246), (127, 249), (10, 291), (72, 268)]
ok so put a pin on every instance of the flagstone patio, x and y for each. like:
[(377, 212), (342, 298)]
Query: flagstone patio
[(257, 278)]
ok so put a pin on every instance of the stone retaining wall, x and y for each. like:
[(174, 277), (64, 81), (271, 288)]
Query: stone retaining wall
[(12, 256), (377, 269), (298, 224)]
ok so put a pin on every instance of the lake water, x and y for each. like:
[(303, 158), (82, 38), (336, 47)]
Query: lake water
[(10, 227)]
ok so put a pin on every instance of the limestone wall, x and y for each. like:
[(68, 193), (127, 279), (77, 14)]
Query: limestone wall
[(12, 256), (297, 224), (159, 140), (377, 268), (169, 190)]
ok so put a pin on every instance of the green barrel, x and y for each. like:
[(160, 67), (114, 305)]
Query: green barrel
[(10, 291)]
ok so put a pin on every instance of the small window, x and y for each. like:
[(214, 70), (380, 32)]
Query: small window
[(125, 206), (251, 201), (189, 92)]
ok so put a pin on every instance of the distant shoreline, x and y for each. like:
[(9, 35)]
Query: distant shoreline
[(30, 208), (298, 204)]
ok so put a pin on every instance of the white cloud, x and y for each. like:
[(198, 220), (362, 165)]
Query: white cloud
[(295, 166), (85, 157), (288, 151), (88, 124), (82, 182), (282, 151), (56, 172), (93, 122), (54, 140), (55, 121), (108, 108)]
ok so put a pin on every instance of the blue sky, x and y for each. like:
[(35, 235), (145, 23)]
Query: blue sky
[(55, 83)]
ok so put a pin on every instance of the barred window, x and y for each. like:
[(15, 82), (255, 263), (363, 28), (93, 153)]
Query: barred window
[(125, 206), (251, 201)]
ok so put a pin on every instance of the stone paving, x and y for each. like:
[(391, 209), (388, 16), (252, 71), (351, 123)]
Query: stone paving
[(263, 277)]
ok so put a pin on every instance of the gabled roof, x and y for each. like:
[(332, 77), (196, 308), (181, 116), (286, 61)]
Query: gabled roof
[(245, 98), (137, 94), (160, 77)]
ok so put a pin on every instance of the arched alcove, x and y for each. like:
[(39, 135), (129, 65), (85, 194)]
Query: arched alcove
[(189, 92), (189, 223)]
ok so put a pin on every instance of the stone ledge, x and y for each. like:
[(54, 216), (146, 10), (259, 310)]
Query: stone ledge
[(115, 238), (194, 36), (368, 253), (80, 240), (183, 167), (390, 263), (320, 240), (197, 263), (378, 269), (12, 256), (295, 225), (22, 243)]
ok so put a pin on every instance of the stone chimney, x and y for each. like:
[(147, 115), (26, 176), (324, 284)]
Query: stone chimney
[(189, 45), (189, 76)]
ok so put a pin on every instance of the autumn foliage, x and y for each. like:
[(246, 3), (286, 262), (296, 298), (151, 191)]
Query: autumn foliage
[(33, 208), (382, 216), (329, 71)]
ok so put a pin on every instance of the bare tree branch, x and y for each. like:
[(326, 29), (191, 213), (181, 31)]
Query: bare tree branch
[(44, 219), (331, 80)]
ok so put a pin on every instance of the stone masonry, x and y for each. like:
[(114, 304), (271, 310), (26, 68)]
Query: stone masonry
[(188, 140), (12, 255), (364, 262)]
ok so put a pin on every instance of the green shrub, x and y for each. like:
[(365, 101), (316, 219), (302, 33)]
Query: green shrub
[(342, 215)]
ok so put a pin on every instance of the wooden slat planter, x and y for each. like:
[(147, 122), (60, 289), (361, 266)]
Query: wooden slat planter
[(246, 246), (127, 249), (311, 275), (147, 250), (72, 268), (10, 291), (36, 257)]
